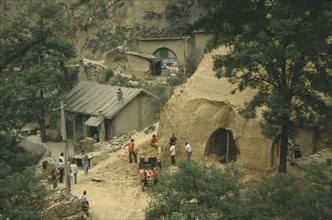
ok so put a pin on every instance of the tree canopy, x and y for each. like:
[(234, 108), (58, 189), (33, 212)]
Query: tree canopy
[(201, 191), (32, 64), (22, 193), (283, 50), (197, 191), (33, 75)]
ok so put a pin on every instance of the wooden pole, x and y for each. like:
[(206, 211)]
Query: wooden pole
[(227, 152), (65, 144)]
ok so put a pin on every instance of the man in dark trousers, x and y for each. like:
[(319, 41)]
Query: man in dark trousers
[(61, 168), (131, 150)]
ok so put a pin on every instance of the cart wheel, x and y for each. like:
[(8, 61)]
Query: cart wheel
[(142, 184)]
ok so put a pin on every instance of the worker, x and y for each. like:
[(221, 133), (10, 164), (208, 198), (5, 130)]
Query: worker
[(188, 150), (172, 151), (173, 140), (154, 141), (131, 150)]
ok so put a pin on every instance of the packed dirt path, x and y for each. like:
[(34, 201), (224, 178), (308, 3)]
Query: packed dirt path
[(113, 187)]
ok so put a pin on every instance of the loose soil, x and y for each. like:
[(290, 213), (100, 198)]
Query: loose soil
[(113, 186), (118, 195)]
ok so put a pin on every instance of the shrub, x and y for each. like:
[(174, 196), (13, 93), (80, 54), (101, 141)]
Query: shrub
[(192, 63), (200, 191), (108, 74), (119, 80), (22, 193), (197, 191), (285, 197)]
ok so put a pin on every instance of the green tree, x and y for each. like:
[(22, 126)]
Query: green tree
[(33, 56), (283, 50), (197, 191), (22, 193), (286, 197)]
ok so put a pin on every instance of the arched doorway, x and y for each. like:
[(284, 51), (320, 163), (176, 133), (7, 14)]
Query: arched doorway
[(218, 142), (168, 57)]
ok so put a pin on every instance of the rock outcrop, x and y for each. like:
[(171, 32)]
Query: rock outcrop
[(202, 111)]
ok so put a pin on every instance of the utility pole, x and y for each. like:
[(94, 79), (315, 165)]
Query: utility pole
[(65, 144), (185, 55), (227, 151)]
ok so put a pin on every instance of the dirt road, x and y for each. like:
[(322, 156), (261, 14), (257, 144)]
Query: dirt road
[(113, 187)]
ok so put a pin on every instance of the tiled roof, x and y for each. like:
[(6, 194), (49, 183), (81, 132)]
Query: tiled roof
[(143, 55), (89, 98)]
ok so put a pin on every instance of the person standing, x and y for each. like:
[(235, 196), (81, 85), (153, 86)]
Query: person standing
[(85, 162), (154, 141), (188, 150), (73, 169), (54, 178), (131, 150), (61, 168), (172, 151)]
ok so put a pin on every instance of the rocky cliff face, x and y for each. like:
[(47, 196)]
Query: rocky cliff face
[(203, 110), (102, 30)]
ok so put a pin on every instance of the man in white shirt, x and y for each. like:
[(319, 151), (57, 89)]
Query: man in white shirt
[(188, 150), (172, 149), (73, 169), (84, 198)]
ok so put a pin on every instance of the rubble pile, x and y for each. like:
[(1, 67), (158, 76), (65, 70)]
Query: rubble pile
[(124, 173), (121, 175), (45, 166), (84, 144), (90, 145), (118, 142), (63, 206)]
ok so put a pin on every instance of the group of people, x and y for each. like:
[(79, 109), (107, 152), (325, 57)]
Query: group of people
[(57, 175), (172, 142), (154, 143)]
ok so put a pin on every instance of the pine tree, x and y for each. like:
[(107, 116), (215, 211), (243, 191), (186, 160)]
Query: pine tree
[(283, 50), (32, 63)]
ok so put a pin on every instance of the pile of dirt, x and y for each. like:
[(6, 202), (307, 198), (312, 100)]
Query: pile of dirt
[(63, 206), (113, 184), (45, 167)]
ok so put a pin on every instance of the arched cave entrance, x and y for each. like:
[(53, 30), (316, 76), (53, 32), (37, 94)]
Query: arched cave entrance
[(217, 144), (167, 56)]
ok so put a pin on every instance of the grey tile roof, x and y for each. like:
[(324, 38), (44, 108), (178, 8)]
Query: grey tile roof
[(93, 121), (89, 98), (143, 55)]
